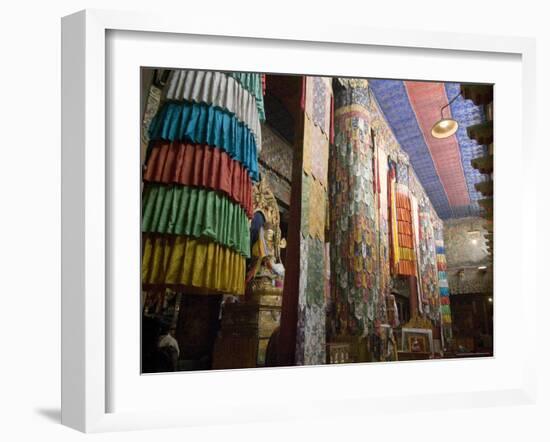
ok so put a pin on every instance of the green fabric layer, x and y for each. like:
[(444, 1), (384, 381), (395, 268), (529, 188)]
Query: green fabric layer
[(191, 211), (253, 84)]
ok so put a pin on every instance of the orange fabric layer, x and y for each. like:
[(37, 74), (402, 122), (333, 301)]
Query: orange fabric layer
[(402, 201), (173, 261), (404, 215), (406, 263), (200, 166), (404, 228), (406, 268), (405, 241)]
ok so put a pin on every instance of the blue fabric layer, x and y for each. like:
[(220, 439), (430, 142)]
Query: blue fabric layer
[(444, 291), (440, 250), (204, 124)]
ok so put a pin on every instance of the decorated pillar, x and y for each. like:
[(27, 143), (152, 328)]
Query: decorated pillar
[(199, 169), (303, 314), (353, 213)]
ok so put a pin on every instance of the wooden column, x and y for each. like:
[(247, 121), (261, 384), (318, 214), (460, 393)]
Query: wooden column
[(289, 309)]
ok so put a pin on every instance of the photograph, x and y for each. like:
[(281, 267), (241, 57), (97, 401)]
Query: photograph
[(252, 220), (293, 220)]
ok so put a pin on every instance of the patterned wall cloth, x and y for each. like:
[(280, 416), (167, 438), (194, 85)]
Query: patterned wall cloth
[(201, 162), (427, 258), (405, 259), (444, 291), (311, 331)]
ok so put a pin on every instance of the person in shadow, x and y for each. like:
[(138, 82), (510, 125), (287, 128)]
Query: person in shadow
[(153, 358)]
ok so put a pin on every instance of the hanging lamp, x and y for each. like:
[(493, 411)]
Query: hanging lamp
[(445, 127)]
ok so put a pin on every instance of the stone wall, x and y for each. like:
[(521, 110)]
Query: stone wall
[(464, 248), (466, 253)]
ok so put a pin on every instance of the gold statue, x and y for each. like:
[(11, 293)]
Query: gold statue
[(266, 269)]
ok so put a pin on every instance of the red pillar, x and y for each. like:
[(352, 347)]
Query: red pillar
[(289, 309)]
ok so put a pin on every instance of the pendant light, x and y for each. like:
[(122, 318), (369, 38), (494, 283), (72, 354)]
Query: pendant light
[(445, 127)]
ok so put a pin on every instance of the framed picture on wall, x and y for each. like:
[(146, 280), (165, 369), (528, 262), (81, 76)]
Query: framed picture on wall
[(244, 288), (417, 340)]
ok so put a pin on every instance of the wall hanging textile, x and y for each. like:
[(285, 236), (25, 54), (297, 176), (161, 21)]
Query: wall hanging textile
[(204, 124), (428, 273), (381, 190), (183, 210), (318, 102), (255, 84), (393, 217), (310, 338), (200, 166), (407, 257), (316, 210), (444, 293), (415, 224), (185, 263), (314, 333), (315, 289), (218, 90), (315, 153), (311, 326)]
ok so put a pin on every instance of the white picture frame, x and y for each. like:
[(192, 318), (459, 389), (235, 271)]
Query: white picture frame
[(86, 206)]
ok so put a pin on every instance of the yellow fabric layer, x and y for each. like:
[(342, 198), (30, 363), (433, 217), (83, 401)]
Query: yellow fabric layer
[(194, 263), (406, 254)]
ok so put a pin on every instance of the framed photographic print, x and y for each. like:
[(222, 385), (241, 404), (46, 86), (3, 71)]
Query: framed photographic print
[(260, 209)]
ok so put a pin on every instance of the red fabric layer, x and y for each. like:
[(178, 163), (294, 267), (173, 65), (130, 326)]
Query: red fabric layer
[(200, 166)]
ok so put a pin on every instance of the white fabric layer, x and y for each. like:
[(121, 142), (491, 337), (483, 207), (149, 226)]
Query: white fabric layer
[(219, 90)]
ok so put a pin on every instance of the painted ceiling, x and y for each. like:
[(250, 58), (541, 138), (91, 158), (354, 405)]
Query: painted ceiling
[(443, 166)]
